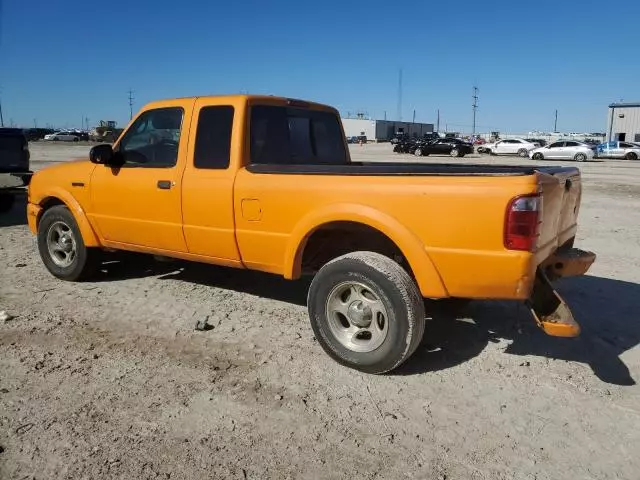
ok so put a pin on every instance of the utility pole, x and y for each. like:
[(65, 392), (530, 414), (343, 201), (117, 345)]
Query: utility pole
[(555, 123), (400, 96), (130, 104), (474, 105), (1, 119), (385, 115), (438, 122), (414, 116)]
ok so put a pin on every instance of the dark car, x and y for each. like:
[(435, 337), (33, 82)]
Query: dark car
[(445, 146), (539, 141), (14, 165)]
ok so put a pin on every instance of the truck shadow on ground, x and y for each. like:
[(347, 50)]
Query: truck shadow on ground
[(18, 213), (608, 311)]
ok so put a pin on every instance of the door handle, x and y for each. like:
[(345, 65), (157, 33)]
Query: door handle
[(164, 184)]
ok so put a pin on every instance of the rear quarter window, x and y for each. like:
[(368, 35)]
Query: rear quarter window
[(295, 136)]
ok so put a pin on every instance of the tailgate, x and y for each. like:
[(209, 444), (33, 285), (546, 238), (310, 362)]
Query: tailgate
[(561, 193)]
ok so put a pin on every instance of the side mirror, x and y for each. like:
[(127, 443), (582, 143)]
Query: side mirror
[(101, 154)]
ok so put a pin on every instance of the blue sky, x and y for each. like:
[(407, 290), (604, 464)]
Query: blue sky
[(60, 61)]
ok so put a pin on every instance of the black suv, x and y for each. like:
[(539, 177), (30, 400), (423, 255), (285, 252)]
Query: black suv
[(14, 165)]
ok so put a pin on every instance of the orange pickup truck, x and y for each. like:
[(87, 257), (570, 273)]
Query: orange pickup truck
[(267, 183)]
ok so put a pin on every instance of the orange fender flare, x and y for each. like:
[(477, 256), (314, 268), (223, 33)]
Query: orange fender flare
[(427, 277)]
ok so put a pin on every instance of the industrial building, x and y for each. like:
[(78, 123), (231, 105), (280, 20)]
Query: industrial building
[(623, 122), (383, 130)]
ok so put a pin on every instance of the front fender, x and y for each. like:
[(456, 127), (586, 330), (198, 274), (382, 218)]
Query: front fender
[(412, 249), (89, 236)]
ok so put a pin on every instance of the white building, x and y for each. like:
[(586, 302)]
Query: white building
[(623, 122), (383, 130)]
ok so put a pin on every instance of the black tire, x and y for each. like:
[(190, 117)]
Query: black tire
[(454, 152), (631, 156), (523, 153), (418, 152), (86, 260), (395, 290), (538, 156), (580, 157), (76, 139), (6, 202)]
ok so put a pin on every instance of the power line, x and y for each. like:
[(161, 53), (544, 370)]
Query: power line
[(130, 104), (474, 105)]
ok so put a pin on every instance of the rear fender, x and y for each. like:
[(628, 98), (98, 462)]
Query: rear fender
[(412, 249), (89, 236)]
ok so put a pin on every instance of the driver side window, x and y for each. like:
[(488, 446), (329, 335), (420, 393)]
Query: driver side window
[(153, 139)]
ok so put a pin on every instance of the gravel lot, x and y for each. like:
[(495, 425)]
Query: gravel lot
[(109, 380)]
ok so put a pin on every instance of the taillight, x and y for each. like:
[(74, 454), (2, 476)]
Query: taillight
[(522, 222)]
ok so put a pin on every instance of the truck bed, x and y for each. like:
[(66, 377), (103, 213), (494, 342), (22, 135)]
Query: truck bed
[(410, 169)]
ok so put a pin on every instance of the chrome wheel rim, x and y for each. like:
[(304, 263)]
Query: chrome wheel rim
[(580, 157), (418, 152), (454, 153), (61, 244), (357, 317)]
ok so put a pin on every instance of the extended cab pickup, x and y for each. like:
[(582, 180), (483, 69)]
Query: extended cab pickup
[(267, 183)]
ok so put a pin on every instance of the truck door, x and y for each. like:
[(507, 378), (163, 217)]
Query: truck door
[(139, 202), (208, 182)]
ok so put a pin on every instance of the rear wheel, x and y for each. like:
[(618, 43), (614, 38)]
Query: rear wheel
[(631, 156), (61, 246), (523, 153), (366, 312), (454, 152), (580, 157), (537, 156)]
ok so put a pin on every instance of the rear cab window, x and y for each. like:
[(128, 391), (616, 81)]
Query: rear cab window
[(287, 135)]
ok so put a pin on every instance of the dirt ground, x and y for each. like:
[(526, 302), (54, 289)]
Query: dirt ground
[(109, 380)]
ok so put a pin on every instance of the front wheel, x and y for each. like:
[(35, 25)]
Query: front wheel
[(523, 153), (61, 247), (631, 156), (366, 312), (454, 152), (418, 152), (580, 157), (537, 156)]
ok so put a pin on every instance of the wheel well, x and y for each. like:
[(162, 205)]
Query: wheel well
[(47, 203), (339, 238)]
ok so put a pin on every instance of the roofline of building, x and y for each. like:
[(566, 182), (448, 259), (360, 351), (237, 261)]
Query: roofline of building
[(620, 105)]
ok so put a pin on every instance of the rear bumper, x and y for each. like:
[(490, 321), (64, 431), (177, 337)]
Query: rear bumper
[(549, 309), (11, 182)]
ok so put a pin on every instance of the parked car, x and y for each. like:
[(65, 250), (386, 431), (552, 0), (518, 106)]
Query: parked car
[(289, 203), (352, 139), (539, 141), (626, 150), (444, 146), (564, 150), (509, 146), (14, 165), (62, 136)]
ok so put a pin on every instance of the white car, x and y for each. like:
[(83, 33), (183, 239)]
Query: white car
[(62, 136), (509, 146), (565, 150), (626, 150)]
